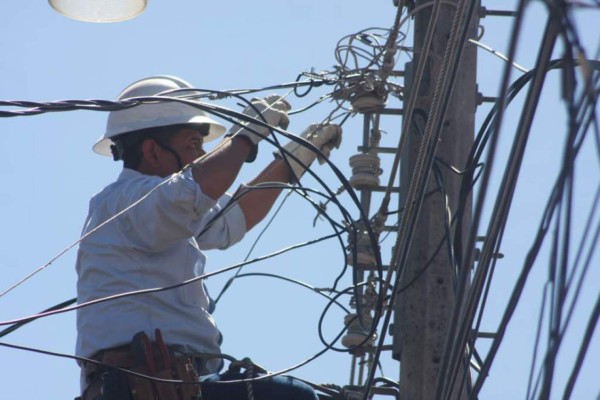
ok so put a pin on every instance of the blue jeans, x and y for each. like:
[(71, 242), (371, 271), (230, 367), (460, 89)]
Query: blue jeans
[(273, 388)]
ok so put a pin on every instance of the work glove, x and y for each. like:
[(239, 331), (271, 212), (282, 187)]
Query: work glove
[(273, 109), (324, 137)]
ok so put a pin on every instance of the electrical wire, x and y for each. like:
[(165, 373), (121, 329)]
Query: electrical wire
[(84, 360), (355, 54), (302, 363), (499, 215), (408, 111), (440, 101), (561, 283), (62, 305), (488, 121), (16, 326), (36, 108), (589, 331), (330, 345), (72, 245), (296, 282), (498, 54), (270, 374), (237, 273), (122, 105), (339, 229), (303, 192), (121, 295), (536, 343), (76, 105), (164, 288), (550, 208)]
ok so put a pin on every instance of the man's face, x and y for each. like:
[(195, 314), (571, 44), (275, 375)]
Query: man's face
[(187, 143)]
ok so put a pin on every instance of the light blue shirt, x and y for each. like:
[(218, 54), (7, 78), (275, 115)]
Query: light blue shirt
[(154, 244)]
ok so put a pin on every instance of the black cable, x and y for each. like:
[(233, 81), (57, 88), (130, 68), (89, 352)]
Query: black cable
[(575, 148), (276, 185), (447, 222), (349, 189), (296, 282), (330, 345), (36, 108), (538, 335), (308, 107), (84, 360), (387, 382), (164, 288), (337, 228), (589, 334), (81, 359), (538, 381), (308, 360), (314, 81), (554, 65), (308, 90), (587, 231), (237, 273), (225, 113), (500, 211), (438, 248), (219, 111), (561, 246), (549, 210), (126, 104), (453, 353), (16, 326), (561, 326), (485, 130)]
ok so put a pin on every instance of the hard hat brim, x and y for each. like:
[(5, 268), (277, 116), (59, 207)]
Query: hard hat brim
[(216, 130), (150, 114)]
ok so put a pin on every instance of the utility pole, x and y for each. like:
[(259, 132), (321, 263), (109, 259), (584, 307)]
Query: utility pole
[(422, 310)]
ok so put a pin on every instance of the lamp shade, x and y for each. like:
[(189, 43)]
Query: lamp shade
[(99, 10)]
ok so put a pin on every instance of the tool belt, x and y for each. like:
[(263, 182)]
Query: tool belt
[(144, 357)]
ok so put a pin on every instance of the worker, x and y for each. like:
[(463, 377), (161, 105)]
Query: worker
[(167, 206)]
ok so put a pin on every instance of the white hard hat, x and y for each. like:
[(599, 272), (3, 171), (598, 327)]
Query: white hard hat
[(150, 115)]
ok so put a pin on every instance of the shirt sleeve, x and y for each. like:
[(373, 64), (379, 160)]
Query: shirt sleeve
[(223, 226), (171, 209)]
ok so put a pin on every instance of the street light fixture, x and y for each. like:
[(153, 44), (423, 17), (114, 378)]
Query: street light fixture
[(99, 10)]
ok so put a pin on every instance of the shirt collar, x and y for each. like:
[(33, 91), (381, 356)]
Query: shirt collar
[(128, 173)]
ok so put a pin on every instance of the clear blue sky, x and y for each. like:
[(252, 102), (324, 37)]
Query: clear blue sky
[(48, 173)]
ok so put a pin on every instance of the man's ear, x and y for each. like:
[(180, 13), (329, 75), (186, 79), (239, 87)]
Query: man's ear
[(149, 151)]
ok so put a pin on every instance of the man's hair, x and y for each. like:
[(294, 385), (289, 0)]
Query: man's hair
[(128, 147)]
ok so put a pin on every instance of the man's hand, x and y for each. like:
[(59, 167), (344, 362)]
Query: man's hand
[(324, 137), (273, 110)]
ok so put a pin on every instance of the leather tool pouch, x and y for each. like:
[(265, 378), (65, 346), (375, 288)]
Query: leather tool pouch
[(153, 359), (184, 370), (144, 389)]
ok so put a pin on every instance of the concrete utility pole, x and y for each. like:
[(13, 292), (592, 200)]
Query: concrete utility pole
[(423, 310)]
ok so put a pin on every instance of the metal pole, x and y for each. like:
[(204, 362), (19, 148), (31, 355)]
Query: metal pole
[(422, 311)]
